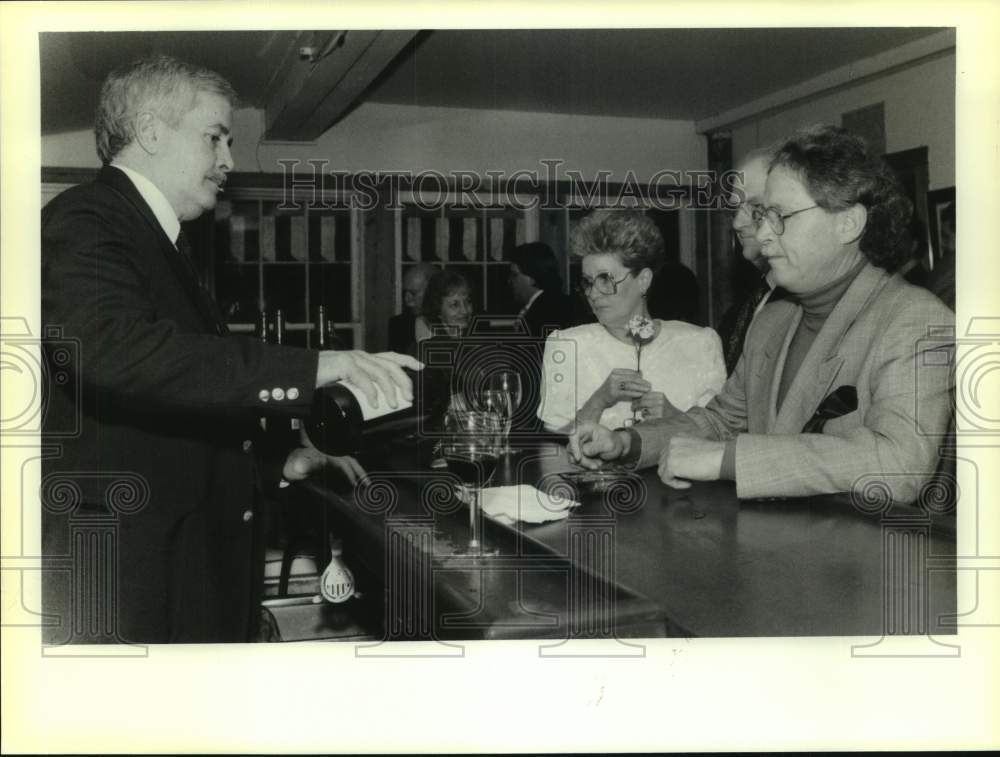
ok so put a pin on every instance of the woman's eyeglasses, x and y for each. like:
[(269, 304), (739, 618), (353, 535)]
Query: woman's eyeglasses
[(604, 283)]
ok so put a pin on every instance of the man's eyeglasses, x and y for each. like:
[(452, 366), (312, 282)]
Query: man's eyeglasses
[(604, 283), (747, 208), (775, 218)]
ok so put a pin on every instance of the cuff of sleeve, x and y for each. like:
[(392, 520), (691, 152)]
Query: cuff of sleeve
[(728, 470), (631, 459), (286, 384)]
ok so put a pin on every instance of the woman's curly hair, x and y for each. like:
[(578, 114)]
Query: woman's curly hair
[(840, 171), (629, 234)]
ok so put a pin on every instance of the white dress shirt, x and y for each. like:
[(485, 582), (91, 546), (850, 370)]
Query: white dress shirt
[(154, 198)]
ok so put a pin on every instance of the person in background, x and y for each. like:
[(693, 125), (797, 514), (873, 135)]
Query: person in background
[(591, 373), (403, 328), (941, 280), (839, 385), (447, 310), (673, 295), (167, 402), (536, 286), (447, 307), (747, 194)]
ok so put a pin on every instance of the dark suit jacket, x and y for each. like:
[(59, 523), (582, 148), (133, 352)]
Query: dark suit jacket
[(735, 323), (673, 294), (166, 426), (550, 309), (402, 337)]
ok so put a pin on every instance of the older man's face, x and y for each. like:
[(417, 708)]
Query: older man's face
[(414, 286), (194, 158), (748, 192)]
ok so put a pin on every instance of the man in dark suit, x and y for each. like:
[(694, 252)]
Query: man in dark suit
[(748, 193), (163, 466), (536, 287), (402, 327), (673, 294)]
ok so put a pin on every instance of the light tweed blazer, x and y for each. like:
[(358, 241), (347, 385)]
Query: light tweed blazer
[(892, 341)]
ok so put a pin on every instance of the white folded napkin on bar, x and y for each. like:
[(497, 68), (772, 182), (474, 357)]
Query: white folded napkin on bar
[(509, 504)]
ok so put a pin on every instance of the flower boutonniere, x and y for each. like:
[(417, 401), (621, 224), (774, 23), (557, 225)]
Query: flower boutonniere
[(641, 330)]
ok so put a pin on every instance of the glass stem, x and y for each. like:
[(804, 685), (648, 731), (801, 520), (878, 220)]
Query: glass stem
[(474, 543)]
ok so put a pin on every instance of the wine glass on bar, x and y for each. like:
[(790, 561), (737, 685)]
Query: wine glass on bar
[(471, 443), (503, 394)]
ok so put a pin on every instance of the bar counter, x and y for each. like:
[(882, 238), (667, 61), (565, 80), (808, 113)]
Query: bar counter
[(638, 559)]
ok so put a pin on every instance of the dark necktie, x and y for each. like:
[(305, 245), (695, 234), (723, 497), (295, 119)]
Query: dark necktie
[(204, 297), (757, 297)]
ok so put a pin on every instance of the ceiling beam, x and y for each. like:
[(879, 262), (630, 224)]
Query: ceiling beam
[(315, 91)]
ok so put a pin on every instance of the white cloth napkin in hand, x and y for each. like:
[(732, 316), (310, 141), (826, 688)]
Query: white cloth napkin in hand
[(524, 503)]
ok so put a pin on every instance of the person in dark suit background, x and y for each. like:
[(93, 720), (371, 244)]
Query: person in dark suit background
[(403, 330), (168, 404), (941, 280), (748, 193), (536, 286), (673, 294)]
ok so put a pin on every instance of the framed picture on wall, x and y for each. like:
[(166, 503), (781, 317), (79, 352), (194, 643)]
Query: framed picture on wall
[(941, 221)]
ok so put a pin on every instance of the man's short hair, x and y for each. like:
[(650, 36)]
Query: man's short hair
[(537, 260), (161, 84), (839, 171)]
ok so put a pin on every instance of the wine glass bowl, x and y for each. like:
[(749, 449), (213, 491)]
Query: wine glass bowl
[(501, 394), (470, 445)]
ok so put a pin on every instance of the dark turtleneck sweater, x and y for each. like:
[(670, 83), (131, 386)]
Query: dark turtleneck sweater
[(816, 308)]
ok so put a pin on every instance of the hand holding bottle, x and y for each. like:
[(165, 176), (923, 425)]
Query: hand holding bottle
[(370, 373)]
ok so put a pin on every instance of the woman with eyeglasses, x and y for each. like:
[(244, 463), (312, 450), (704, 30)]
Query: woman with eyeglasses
[(596, 372)]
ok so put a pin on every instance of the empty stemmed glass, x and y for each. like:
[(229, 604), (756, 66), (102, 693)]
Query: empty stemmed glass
[(501, 394), (471, 443)]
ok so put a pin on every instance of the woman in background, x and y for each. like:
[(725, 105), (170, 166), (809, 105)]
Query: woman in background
[(591, 372), (447, 306), (447, 316)]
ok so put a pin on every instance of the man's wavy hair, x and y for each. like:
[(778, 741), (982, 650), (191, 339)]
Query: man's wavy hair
[(838, 171), (161, 84)]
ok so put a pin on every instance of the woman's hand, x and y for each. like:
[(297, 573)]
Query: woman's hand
[(651, 404), (623, 385)]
